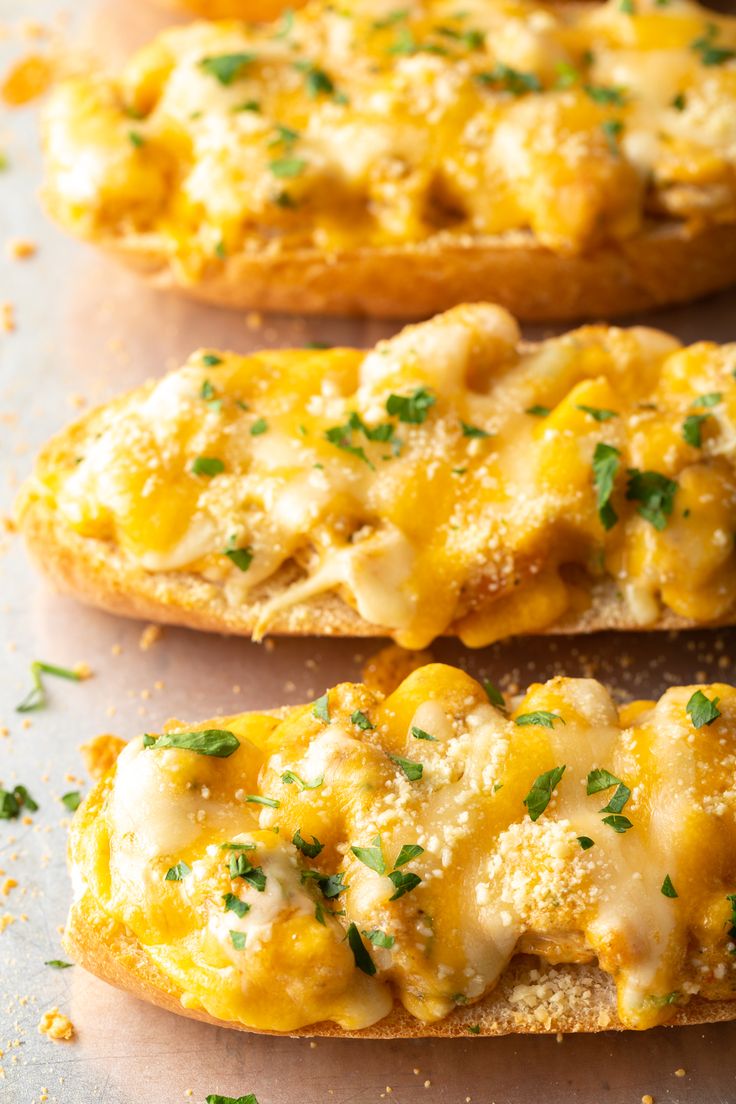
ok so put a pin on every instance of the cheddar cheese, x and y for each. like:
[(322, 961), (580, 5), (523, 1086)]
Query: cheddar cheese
[(451, 480), (377, 863), (245, 162)]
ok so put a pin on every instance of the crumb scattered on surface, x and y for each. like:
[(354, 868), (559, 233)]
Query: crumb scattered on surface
[(7, 317), (19, 249), (680, 1072), (99, 753), (56, 1026), (150, 636), (27, 79)]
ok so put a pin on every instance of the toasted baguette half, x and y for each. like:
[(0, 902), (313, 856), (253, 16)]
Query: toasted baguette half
[(556, 999), (508, 576), (565, 914), (475, 178), (668, 263)]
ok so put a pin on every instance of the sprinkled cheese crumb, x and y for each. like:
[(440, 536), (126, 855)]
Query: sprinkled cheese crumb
[(56, 1026), (150, 636)]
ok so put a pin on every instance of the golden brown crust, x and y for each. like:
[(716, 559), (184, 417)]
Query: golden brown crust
[(560, 998), (668, 263), (99, 573)]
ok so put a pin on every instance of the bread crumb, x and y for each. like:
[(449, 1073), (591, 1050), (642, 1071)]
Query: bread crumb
[(427, 1084), (647, 1099), (56, 1026), (6, 920), (7, 317), (99, 753), (11, 883), (18, 249), (150, 636), (254, 320), (82, 671), (680, 1072)]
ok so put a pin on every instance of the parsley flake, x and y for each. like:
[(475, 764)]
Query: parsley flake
[(37, 697), (72, 800), (539, 717), (585, 842), (412, 409), (321, 708), (238, 940), (372, 856), (311, 850), (208, 465), (494, 695), (359, 719), (606, 460), (420, 734), (692, 429), (379, 938), (701, 710), (668, 890), (538, 411), (619, 823), (217, 742), (654, 492), (541, 792), (362, 958), (474, 431), (598, 413), (413, 771), (226, 67), (234, 904), (177, 873), (403, 883)]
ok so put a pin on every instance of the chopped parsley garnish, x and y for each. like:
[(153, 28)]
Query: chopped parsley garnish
[(471, 39), (237, 847), (408, 853), (510, 80), (13, 801), (177, 873), (712, 398), (215, 1098), (238, 940), (538, 411), (136, 139), (361, 720), (240, 866), (405, 43), (541, 792), (249, 105), (256, 799), (372, 856), (601, 779), (234, 904), (259, 427), (362, 958), (58, 964), (226, 67), (403, 883), (605, 94), (679, 102), (585, 842), (311, 850), (701, 710), (413, 771), (655, 494), (37, 698), (321, 708), (473, 1029), (710, 54), (606, 460), (217, 742), (379, 938), (619, 823), (731, 898), (317, 345), (72, 800), (286, 168), (420, 734), (287, 23), (241, 557), (207, 391), (494, 695), (318, 82), (626, 6), (539, 717), (474, 431), (283, 199), (332, 885), (412, 409), (389, 20), (284, 134), (692, 429), (211, 360), (612, 129), (668, 890), (567, 74), (208, 465), (290, 778), (341, 437), (599, 413)]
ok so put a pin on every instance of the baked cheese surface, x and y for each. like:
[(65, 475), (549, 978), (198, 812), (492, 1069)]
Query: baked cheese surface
[(378, 123), (451, 479), (364, 850)]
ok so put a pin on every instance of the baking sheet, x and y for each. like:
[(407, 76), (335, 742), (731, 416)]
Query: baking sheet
[(85, 331)]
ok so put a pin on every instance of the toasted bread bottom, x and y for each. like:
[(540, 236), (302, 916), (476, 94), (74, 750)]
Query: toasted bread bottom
[(668, 263), (531, 997)]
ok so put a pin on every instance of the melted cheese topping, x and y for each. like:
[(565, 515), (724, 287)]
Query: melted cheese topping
[(378, 123), (482, 519), (490, 882)]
